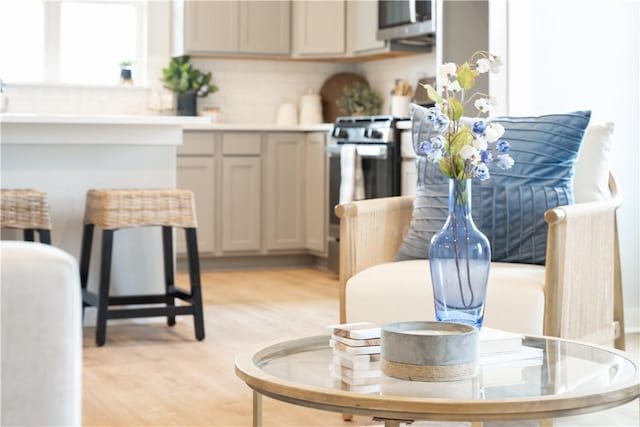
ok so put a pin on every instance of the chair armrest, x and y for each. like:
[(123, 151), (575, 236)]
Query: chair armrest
[(582, 270), (371, 232)]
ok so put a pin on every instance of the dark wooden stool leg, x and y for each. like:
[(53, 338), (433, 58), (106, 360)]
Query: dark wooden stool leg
[(105, 278), (169, 275), (85, 259), (194, 278), (29, 235), (45, 236)]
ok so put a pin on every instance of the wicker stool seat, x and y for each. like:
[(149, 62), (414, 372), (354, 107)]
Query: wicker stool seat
[(26, 210), (124, 208)]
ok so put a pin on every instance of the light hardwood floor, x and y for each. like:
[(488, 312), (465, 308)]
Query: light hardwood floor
[(148, 374)]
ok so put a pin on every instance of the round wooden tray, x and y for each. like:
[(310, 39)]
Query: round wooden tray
[(332, 89)]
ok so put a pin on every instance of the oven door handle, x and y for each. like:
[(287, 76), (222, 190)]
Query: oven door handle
[(376, 151)]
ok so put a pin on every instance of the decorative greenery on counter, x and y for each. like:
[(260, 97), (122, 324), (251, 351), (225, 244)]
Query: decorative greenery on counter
[(359, 100), (182, 77)]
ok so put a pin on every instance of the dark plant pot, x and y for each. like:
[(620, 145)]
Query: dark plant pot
[(125, 73), (186, 104)]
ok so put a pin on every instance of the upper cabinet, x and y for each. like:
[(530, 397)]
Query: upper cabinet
[(297, 29), (362, 25), (319, 28), (231, 27), (265, 27)]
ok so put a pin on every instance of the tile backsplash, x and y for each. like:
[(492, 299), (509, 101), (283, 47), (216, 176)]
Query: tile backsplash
[(250, 91)]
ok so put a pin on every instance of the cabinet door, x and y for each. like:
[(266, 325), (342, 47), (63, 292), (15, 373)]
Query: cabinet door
[(196, 173), (319, 27), (284, 191), (315, 191), (241, 203), (363, 26), (211, 26), (265, 27)]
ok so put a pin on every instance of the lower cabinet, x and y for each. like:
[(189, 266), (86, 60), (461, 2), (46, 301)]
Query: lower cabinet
[(241, 200), (316, 197), (256, 193), (284, 197), (196, 172)]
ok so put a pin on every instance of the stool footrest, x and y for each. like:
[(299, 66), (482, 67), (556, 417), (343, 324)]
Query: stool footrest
[(128, 313), (92, 299)]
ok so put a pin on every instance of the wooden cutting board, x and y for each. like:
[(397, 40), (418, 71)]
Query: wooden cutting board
[(332, 89)]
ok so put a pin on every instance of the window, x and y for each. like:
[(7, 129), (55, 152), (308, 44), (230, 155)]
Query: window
[(71, 41)]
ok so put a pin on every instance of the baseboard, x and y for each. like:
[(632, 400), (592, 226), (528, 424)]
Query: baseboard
[(631, 320), (254, 262)]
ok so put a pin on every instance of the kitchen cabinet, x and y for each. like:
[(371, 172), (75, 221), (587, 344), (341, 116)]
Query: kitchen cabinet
[(240, 225), (316, 193), (257, 192), (265, 27), (196, 172), (210, 26), (231, 27), (362, 26), (319, 28), (284, 180)]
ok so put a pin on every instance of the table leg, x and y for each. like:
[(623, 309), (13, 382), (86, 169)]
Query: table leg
[(257, 409)]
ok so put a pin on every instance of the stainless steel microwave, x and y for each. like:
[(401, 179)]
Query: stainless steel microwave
[(407, 21)]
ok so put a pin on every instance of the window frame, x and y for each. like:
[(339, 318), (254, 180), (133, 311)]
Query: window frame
[(52, 15)]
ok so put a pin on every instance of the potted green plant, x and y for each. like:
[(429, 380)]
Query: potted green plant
[(126, 74), (188, 83), (359, 100)]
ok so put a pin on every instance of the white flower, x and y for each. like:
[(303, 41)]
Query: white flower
[(448, 69), (441, 83), (480, 144), (496, 63), (482, 104), (455, 86), (469, 153), (504, 161), (484, 65), (493, 132)]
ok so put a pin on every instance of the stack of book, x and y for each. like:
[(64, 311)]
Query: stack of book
[(355, 364), (503, 357)]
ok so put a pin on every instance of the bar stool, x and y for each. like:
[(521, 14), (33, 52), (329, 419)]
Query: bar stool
[(124, 208), (28, 211)]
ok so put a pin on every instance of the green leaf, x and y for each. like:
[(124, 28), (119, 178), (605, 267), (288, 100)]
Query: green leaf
[(445, 167), (456, 110), (466, 76), (459, 168), (433, 94)]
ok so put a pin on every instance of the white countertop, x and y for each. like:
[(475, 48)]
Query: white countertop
[(102, 119), (187, 122), (258, 127)]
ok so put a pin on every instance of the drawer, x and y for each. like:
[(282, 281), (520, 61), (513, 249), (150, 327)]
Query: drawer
[(197, 143), (241, 143)]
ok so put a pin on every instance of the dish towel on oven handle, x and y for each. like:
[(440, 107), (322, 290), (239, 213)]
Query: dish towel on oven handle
[(351, 177)]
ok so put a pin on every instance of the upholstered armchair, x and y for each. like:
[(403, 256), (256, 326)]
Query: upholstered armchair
[(577, 294), (41, 336)]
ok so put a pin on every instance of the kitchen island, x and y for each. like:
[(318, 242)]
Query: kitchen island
[(65, 155)]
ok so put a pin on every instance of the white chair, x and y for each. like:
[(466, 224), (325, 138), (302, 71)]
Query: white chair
[(41, 336), (577, 294)]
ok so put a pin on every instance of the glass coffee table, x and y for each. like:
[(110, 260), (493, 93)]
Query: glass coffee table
[(570, 378)]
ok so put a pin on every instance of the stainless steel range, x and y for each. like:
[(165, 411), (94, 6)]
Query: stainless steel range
[(377, 141)]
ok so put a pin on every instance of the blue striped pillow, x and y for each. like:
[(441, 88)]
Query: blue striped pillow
[(508, 208)]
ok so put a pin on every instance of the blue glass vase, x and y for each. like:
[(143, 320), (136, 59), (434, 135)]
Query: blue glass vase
[(459, 259)]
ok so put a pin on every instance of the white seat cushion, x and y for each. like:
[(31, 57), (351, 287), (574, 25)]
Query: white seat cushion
[(401, 291), (41, 336)]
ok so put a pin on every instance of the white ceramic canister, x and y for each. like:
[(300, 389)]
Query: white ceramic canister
[(287, 115), (310, 109)]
